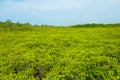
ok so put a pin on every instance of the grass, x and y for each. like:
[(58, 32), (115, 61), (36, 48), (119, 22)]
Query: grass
[(57, 53)]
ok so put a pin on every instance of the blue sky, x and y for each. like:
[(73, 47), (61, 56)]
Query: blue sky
[(60, 12)]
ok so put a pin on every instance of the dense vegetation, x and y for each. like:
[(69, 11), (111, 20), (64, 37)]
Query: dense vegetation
[(79, 52)]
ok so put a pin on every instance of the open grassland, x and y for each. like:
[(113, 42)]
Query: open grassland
[(50, 53)]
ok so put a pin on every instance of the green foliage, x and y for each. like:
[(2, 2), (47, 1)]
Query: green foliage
[(58, 53), (8, 23), (93, 25)]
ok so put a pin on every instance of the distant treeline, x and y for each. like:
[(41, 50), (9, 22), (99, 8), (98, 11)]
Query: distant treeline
[(10, 24), (95, 25)]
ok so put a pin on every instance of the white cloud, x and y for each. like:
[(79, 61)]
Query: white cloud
[(43, 5), (37, 6), (46, 5)]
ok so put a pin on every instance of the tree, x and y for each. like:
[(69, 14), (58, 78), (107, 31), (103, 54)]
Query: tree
[(8, 23)]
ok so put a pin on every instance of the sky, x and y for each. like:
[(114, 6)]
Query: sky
[(60, 12)]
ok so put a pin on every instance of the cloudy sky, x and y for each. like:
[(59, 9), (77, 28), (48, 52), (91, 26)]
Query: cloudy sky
[(60, 12)]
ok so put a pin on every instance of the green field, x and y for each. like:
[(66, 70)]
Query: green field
[(60, 53)]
